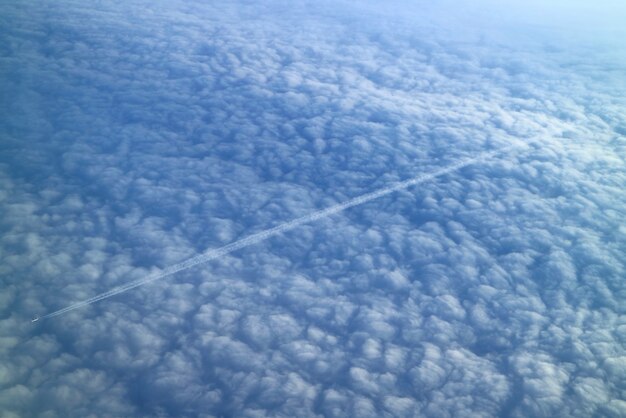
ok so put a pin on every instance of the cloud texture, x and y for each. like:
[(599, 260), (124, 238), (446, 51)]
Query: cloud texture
[(137, 134)]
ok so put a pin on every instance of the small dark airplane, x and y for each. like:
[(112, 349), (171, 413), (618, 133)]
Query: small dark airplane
[(35, 319)]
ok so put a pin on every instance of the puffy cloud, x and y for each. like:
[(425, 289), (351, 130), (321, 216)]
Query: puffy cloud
[(137, 134)]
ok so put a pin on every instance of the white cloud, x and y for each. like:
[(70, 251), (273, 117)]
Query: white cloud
[(155, 131)]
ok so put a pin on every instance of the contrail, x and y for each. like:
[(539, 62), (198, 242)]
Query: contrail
[(287, 226)]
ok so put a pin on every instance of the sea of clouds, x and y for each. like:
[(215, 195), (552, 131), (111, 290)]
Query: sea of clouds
[(136, 134)]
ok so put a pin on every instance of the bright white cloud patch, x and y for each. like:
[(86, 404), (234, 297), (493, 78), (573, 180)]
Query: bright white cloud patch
[(137, 134)]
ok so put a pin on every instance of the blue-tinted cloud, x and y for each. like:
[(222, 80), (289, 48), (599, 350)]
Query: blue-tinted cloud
[(138, 134)]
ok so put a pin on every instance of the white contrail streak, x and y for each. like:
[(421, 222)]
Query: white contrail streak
[(287, 226)]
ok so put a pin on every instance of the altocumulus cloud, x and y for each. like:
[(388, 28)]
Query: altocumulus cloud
[(136, 134)]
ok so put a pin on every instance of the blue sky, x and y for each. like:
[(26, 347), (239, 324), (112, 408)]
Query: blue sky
[(137, 134)]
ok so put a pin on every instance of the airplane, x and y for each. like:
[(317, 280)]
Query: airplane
[(35, 319)]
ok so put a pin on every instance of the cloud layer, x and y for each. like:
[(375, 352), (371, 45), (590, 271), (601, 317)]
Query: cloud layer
[(138, 134)]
